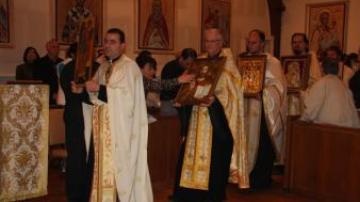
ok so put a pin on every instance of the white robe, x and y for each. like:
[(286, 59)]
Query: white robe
[(330, 101), (128, 128), (274, 99)]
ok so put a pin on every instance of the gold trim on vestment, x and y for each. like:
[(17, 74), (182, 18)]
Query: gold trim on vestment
[(197, 158), (103, 185), (230, 94)]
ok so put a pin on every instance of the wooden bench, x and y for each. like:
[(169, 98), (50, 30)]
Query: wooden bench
[(323, 161), (56, 133), (163, 149)]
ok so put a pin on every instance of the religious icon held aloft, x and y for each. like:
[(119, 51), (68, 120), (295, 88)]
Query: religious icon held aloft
[(252, 70), (85, 51), (207, 73), (296, 70)]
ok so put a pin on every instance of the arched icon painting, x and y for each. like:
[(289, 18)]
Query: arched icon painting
[(156, 24)]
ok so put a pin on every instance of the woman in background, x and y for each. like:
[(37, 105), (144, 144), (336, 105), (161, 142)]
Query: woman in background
[(25, 71)]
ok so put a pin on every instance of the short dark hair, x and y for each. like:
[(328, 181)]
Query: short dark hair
[(306, 40), (140, 58), (142, 54), (145, 53), (148, 60), (260, 33), (187, 53), (330, 66), (27, 50), (303, 35), (119, 32)]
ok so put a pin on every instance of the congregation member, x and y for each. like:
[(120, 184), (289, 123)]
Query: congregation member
[(45, 69), (79, 163), (175, 68), (143, 54), (153, 86), (203, 170), (329, 101), (119, 126), (171, 70), (25, 70), (345, 72), (265, 120), (300, 47), (148, 70)]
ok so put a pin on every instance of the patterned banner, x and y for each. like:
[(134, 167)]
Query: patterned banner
[(24, 117)]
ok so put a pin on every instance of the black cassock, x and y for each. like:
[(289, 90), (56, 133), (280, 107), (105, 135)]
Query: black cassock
[(222, 146), (79, 167)]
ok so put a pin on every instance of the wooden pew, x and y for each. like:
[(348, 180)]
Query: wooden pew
[(56, 133), (323, 161), (56, 126), (163, 148)]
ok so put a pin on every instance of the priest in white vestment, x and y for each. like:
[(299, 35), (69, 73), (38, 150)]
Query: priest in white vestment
[(214, 128), (265, 120), (300, 46), (330, 101), (119, 127)]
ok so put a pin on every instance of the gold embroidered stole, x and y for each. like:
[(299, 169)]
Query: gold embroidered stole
[(197, 158), (103, 184)]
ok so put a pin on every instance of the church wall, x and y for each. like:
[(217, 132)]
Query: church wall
[(31, 28), (294, 21), (34, 25)]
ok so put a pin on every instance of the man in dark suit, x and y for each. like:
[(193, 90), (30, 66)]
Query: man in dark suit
[(45, 69), (79, 162)]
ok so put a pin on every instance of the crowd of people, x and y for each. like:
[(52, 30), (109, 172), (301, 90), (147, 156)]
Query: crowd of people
[(227, 137)]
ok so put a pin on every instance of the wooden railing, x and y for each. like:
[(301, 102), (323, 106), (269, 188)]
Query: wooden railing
[(323, 161)]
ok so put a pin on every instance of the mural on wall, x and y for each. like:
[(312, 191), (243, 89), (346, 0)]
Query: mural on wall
[(70, 13), (156, 24), (5, 23), (216, 13), (326, 25)]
